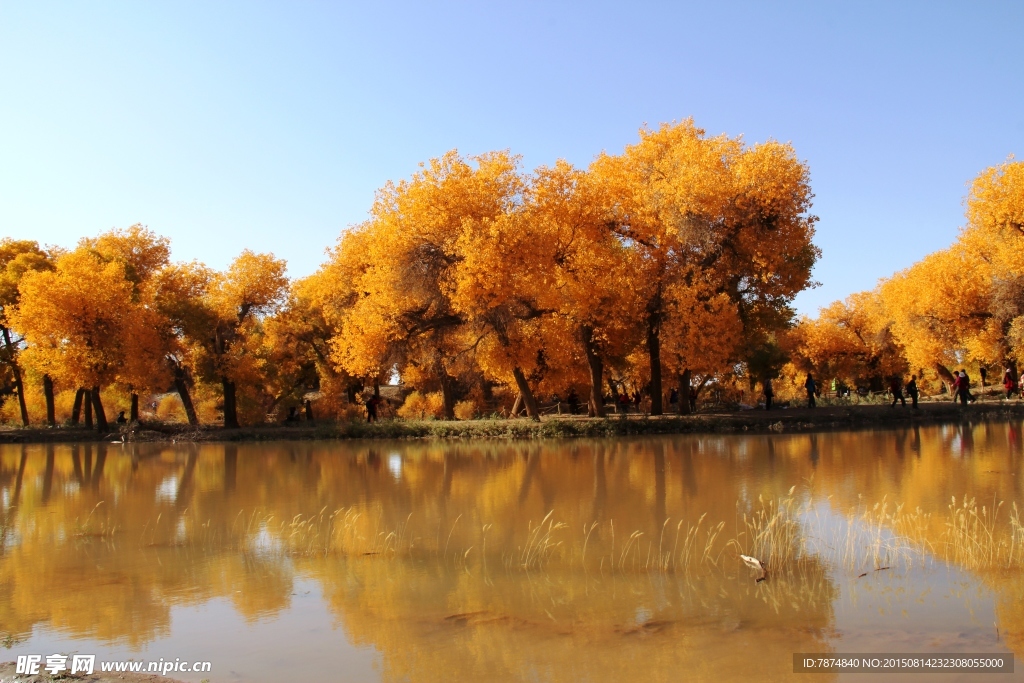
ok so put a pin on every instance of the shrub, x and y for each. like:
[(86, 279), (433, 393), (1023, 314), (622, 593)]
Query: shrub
[(419, 406), (465, 410)]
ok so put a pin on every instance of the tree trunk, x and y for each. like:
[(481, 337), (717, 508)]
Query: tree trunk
[(134, 410), (447, 393), (97, 406), (76, 410), (684, 392), (945, 375), (186, 398), (230, 406), (654, 351), (51, 412), (613, 391), (517, 405), (309, 411), (526, 393), (16, 371), (596, 370), (87, 400)]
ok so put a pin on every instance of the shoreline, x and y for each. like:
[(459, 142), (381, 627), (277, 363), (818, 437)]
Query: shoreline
[(825, 418), (8, 669)]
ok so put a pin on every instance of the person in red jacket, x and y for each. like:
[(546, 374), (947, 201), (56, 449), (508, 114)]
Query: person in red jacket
[(1009, 384)]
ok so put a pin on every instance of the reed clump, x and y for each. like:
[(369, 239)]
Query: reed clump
[(975, 540), (93, 526), (343, 532), (541, 544), (771, 532), (783, 534)]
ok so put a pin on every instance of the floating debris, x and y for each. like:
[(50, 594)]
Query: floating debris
[(757, 564)]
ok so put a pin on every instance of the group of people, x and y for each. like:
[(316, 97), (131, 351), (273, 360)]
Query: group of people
[(960, 389), (898, 389), (673, 399)]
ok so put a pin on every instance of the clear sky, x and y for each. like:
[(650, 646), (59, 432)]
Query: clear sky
[(269, 125)]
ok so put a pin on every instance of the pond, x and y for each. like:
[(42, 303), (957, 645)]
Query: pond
[(541, 561)]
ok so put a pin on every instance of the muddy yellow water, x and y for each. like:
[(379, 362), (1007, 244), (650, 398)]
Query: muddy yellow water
[(545, 561)]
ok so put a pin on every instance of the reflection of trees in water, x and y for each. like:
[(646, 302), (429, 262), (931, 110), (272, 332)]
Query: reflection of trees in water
[(435, 623), (191, 542)]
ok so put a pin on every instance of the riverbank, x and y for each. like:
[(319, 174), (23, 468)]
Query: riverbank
[(553, 426), (8, 673)]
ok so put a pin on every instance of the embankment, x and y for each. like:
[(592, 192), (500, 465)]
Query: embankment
[(561, 426)]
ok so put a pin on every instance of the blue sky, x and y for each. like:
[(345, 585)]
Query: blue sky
[(270, 125)]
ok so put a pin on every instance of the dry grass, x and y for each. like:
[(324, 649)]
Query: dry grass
[(783, 533), (94, 526), (974, 539)]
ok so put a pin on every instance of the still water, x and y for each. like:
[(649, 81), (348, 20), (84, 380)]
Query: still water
[(542, 561)]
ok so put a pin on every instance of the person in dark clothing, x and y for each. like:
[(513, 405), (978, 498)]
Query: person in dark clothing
[(673, 398), (810, 387), (896, 387), (768, 393), (574, 401), (371, 408), (121, 419), (1008, 383), (912, 391)]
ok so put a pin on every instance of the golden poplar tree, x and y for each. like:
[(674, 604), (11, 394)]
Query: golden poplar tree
[(227, 343), (708, 217), (143, 254), (83, 324), (17, 258), (403, 262), (589, 278), (851, 341)]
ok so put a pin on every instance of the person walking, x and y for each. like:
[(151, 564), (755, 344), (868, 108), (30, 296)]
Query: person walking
[(810, 387), (768, 393), (896, 387), (1008, 383), (965, 386), (912, 392), (962, 392)]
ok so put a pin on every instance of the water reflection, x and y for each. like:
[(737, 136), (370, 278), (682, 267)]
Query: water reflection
[(482, 560)]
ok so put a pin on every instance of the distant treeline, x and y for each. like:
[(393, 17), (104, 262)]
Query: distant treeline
[(959, 307), (664, 270)]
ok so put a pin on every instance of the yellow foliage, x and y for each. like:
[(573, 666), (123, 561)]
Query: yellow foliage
[(83, 326), (466, 410), (419, 406)]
